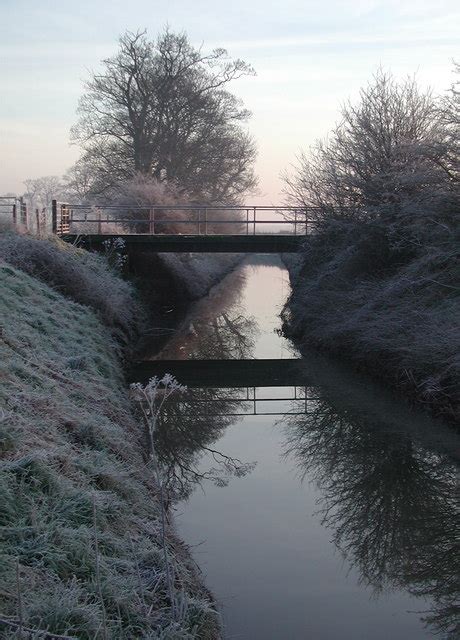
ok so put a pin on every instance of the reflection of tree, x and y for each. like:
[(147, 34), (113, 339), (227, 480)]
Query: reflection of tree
[(389, 501), (187, 428), (226, 336), (216, 328)]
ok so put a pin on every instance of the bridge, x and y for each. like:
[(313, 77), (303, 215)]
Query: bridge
[(184, 228)]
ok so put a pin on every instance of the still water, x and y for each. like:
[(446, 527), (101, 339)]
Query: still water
[(327, 510)]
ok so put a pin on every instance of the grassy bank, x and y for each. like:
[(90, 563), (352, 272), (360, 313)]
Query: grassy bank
[(397, 320), (81, 538)]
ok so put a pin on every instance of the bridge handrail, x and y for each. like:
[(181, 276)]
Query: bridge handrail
[(65, 214), (141, 207), (178, 220)]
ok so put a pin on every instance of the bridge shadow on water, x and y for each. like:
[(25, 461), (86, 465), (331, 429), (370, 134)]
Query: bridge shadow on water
[(225, 373)]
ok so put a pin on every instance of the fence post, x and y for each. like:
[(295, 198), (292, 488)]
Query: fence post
[(54, 216), (99, 222), (14, 214), (37, 221), (65, 219), (152, 221), (23, 210)]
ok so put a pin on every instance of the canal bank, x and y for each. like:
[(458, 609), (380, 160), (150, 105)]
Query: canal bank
[(84, 551), (397, 323)]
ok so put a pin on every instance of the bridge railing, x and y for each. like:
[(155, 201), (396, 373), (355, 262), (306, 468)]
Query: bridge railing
[(179, 220)]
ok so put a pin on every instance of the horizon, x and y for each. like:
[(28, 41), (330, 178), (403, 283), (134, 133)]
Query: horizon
[(309, 59)]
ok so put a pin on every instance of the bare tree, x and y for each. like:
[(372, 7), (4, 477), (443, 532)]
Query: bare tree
[(161, 108), (79, 181), (385, 159), (450, 118), (40, 191)]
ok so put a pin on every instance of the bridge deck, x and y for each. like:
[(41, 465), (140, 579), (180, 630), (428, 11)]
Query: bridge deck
[(266, 243), (225, 373)]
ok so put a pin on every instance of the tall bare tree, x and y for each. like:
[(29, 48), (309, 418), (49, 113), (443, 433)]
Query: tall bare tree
[(162, 109)]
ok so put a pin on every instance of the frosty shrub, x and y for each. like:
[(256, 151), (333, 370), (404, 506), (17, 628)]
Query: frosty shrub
[(138, 198)]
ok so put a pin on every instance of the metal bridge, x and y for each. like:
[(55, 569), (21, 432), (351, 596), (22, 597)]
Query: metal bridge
[(184, 228)]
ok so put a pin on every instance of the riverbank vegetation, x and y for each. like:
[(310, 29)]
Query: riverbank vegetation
[(85, 553), (88, 550), (378, 279)]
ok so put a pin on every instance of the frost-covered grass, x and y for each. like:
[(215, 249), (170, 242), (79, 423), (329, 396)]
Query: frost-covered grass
[(81, 550), (395, 315), (88, 278), (78, 274)]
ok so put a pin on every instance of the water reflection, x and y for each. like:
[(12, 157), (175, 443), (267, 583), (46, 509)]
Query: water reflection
[(387, 480), (191, 422), (389, 501), (216, 327), (187, 428), (388, 498)]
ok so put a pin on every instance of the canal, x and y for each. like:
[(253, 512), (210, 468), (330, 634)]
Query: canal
[(322, 509)]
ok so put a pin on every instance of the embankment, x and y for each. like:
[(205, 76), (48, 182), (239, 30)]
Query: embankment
[(81, 536), (396, 320)]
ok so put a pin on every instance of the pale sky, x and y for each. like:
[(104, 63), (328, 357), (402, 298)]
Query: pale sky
[(310, 56)]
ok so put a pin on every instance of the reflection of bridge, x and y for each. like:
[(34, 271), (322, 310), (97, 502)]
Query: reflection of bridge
[(185, 228), (245, 376), (254, 401), (225, 373)]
